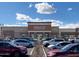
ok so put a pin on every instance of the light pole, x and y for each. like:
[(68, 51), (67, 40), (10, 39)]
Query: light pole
[(1, 31)]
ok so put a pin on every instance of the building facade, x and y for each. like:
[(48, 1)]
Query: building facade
[(37, 30)]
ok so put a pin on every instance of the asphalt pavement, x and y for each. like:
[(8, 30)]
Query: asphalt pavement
[(38, 50)]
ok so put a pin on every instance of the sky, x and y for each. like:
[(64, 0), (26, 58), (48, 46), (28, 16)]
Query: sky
[(62, 14)]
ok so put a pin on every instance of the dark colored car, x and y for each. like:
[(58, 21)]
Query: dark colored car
[(70, 50), (10, 49)]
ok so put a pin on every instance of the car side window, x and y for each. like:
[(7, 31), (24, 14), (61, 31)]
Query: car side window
[(71, 49), (74, 49), (5, 45), (1, 44), (77, 48), (63, 44), (20, 41)]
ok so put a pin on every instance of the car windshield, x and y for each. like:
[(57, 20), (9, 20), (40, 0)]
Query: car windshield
[(58, 40), (13, 44), (52, 40), (48, 38), (25, 41)]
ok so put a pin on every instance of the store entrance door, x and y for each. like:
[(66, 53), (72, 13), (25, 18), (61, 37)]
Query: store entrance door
[(39, 36)]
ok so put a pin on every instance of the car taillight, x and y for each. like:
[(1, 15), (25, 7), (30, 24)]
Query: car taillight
[(51, 54), (23, 48)]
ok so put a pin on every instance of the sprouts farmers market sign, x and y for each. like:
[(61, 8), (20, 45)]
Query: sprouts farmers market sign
[(39, 26)]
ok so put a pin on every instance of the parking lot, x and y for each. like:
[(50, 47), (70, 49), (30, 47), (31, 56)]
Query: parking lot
[(39, 48), (42, 51), (38, 51)]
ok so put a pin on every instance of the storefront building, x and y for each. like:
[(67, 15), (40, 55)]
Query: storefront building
[(37, 30)]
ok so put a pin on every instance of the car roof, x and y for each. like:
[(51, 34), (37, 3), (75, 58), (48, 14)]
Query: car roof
[(64, 42), (5, 42), (21, 39), (24, 38), (9, 42), (57, 43)]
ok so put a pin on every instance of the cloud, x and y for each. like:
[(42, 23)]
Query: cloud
[(21, 23), (12, 25), (52, 4), (20, 16), (25, 23), (45, 8), (54, 22), (69, 9), (71, 25), (30, 5)]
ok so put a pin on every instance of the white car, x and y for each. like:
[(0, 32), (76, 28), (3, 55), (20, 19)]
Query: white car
[(52, 42), (45, 42), (23, 42), (58, 44)]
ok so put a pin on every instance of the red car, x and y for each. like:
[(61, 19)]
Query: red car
[(70, 50), (9, 49)]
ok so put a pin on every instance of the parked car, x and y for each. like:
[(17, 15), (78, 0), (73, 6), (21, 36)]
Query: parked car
[(28, 38), (70, 50), (10, 49), (58, 45), (5, 40), (52, 41), (33, 41), (47, 39), (23, 42)]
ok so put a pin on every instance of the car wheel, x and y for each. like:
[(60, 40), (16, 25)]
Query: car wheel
[(16, 54)]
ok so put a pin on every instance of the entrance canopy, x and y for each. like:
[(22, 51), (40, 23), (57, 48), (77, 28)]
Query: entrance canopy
[(39, 31)]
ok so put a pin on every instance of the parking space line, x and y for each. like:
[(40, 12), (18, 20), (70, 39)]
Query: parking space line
[(44, 51), (32, 51)]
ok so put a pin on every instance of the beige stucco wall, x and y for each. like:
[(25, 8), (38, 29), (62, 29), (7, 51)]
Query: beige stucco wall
[(16, 30), (72, 30), (67, 30), (55, 29)]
